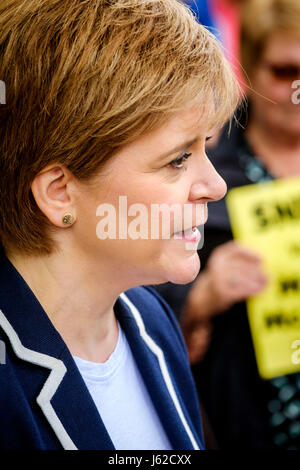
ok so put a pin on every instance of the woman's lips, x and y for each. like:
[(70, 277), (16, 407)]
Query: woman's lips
[(190, 235)]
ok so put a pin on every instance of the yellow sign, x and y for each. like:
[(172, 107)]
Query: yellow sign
[(266, 218)]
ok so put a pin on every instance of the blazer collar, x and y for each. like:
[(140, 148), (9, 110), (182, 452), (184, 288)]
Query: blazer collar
[(34, 339)]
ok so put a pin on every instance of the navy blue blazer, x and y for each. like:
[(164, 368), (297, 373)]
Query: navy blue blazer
[(44, 402)]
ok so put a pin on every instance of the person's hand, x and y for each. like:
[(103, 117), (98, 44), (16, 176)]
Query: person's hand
[(197, 337), (234, 274)]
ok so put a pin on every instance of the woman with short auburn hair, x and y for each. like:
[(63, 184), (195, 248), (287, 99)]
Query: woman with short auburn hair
[(106, 102)]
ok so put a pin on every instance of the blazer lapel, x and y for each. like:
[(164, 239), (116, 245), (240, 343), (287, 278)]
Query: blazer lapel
[(63, 398), (154, 370)]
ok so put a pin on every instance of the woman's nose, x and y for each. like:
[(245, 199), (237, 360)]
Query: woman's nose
[(207, 184)]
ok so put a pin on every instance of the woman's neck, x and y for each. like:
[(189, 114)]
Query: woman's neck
[(277, 149), (78, 301)]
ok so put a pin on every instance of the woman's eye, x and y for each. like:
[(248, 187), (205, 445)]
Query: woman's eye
[(178, 162)]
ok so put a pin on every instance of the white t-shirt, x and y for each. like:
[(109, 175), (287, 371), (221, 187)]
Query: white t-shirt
[(123, 401)]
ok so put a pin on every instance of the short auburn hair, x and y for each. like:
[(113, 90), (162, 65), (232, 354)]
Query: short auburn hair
[(261, 19), (84, 78)]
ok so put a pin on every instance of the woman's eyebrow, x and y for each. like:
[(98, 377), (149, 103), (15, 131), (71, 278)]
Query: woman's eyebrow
[(182, 146)]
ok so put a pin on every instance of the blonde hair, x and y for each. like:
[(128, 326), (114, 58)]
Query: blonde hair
[(261, 19), (83, 78)]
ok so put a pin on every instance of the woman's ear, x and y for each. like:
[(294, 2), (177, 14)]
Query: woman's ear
[(52, 191)]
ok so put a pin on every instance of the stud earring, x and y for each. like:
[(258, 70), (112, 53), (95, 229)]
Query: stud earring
[(68, 219)]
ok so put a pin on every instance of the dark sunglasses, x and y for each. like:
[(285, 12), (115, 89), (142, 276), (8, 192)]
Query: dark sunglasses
[(287, 72)]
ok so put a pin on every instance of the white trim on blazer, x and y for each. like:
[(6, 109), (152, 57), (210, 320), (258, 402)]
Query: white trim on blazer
[(58, 370)]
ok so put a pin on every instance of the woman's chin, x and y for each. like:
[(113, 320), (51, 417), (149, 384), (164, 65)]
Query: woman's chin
[(184, 271)]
